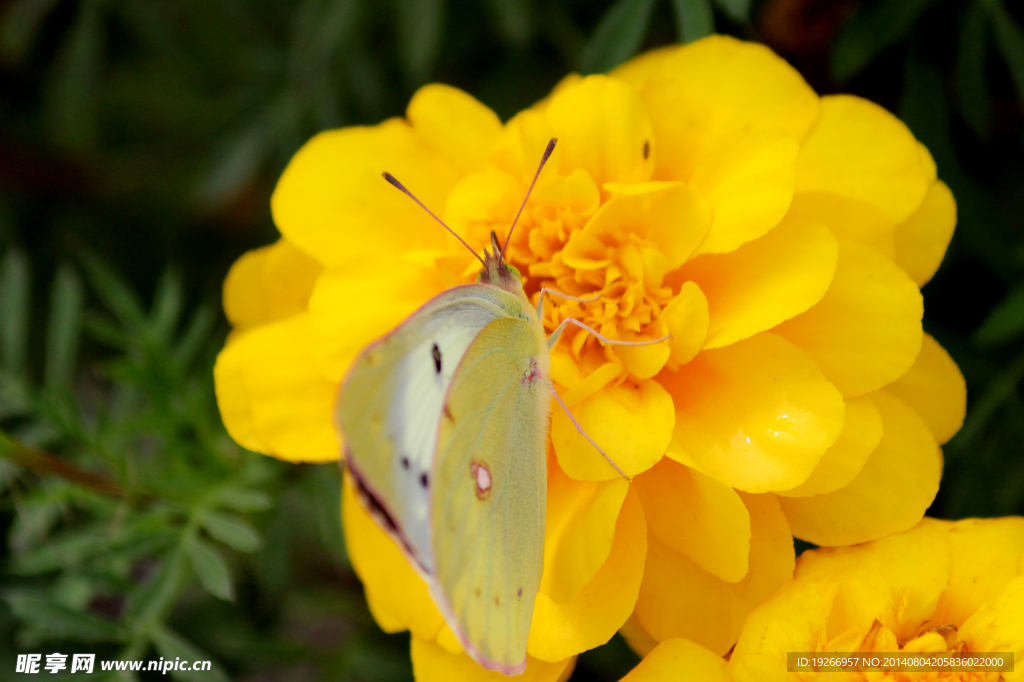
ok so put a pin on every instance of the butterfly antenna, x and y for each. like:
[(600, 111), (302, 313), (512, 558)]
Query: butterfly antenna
[(544, 159), (391, 178)]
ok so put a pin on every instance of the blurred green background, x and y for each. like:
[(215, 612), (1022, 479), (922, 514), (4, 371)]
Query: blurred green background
[(139, 144)]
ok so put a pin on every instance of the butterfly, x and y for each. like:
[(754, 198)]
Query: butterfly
[(445, 421)]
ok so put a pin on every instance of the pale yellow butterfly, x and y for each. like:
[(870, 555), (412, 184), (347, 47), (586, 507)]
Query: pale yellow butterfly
[(445, 421)]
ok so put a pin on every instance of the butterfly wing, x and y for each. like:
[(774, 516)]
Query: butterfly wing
[(390, 407), (489, 491)]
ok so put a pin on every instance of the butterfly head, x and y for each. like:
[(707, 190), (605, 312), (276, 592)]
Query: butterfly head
[(497, 272)]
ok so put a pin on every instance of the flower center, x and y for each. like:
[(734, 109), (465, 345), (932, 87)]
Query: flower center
[(621, 269), (626, 278)]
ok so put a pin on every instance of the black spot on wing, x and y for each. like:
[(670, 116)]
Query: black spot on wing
[(424, 481), (405, 463), (435, 352)]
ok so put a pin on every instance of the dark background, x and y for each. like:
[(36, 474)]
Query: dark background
[(139, 144)]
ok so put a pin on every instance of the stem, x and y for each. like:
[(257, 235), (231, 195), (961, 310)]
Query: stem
[(47, 464)]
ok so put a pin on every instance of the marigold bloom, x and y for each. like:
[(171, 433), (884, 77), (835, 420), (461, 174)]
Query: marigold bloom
[(941, 586), (705, 192)]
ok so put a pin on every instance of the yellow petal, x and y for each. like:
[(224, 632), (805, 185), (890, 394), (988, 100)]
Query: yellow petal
[(602, 127), (866, 330), (860, 150), (862, 431), (244, 297), (897, 580), (676, 658), (891, 492), (579, 528), (930, 642), (521, 143), (986, 555), (432, 663), (268, 284), (359, 302), (764, 282), (482, 201), (643, 362), (269, 373), (922, 239), (603, 605), (670, 215), (686, 317), (998, 625), (632, 422), (757, 415), (849, 219), (792, 619), (701, 518), (749, 185), (331, 200), (708, 91), (679, 599), (581, 387), (934, 387), (454, 124), (233, 396), (397, 596)]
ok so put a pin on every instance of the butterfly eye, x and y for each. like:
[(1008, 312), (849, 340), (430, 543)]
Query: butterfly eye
[(515, 271)]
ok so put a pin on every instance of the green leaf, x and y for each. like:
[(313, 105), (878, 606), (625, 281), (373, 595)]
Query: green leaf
[(197, 332), (326, 485), (232, 531), (244, 500), (234, 167), (970, 71), (694, 19), (513, 20), (14, 301), (210, 568), (151, 601), (71, 89), (420, 31), (1006, 321), (64, 329), (618, 35), (59, 621), (113, 291), (36, 516), (870, 31), (167, 302), (1010, 41), (15, 400), (738, 10), (70, 549), (173, 646)]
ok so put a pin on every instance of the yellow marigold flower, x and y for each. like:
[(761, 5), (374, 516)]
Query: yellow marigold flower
[(941, 586), (704, 191)]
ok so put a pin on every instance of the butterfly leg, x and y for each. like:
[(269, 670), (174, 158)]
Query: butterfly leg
[(553, 339), (545, 290), (584, 434)]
